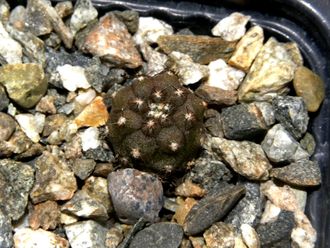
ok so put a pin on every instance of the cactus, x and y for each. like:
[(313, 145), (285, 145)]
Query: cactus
[(156, 123)]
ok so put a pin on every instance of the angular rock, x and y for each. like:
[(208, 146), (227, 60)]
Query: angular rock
[(246, 158), (100, 154), (94, 115), (280, 146), (6, 236), (16, 181), (293, 50), (103, 169), (232, 27), (189, 189), (10, 50), (45, 215), (308, 143), (54, 179), (64, 9), (85, 97), (163, 234), (83, 234), (271, 71), (90, 139), (243, 121), (135, 194), (156, 61), (73, 77), (17, 17), (211, 209), (301, 173), (36, 21), (27, 237), (66, 132), (114, 236), (4, 101), (59, 27), (267, 112), (130, 18), (53, 123), (247, 49), (183, 209), (197, 242), (83, 14), (110, 41), (202, 49), (82, 168), (303, 235), (270, 213), (17, 144), (223, 76), (187, 71), (68, 219), (291, 112), (310, 87), (213, 123), (220, 234), (46, 105), (214, 95), (25, 83), (32, 125), (250, 236), (249, 209), (279, 231), (7, 126), (150, 29)]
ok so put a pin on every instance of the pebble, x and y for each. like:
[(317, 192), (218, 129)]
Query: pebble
[(277, 233), (293, 50), (64, 9), (82, 168), (85, 97), (197, 242), (189, 189), (220, 235), (4, 11), (114, 237), (310, 87), (213, 123), (187, 71), (53, 123), (94, 114), (130, 18), (32, 125), (67, 219), (239, 243), (16, 181), (183, 208), (73, 77), (150, 29), (45, 215), (24, 83), (232, 27), (103, 169), (308, 143), (16, 145), (110, 41), (303, 173), (17, 17), (10, 50), (216, 96), (267, 112), (211, 209), (163, 234), (36, 21), (245, 157), (27, 237), (7, 126), (83, 14), (6, 236), (292, 113), (224, 76), (46, 105), (303, 235), (247, 49), (270, 73), (90, 138), (243, 121), (100, 154), (156, 61), (4, 101), (270, 213), (250, 236), (82, 234), (135, 194), (280, 146), (202, 49), (91, 202), (54, 179)]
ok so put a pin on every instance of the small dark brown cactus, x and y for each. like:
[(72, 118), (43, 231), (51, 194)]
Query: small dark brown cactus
[(156, 123)]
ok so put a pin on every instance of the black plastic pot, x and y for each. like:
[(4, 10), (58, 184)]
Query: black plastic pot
[(306, 22)]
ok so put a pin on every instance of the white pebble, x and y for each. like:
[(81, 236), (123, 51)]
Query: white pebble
[(90, 138), (10, 50), (250, 236), (31, 125), (73, 77), (85, 97), (232, 27)]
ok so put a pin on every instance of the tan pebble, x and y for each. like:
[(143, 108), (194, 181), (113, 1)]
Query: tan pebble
[(189, 189), (183, 209)]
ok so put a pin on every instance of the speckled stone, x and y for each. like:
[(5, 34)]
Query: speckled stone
[(220, 235), (16, 181), (211, 209), (45, 215), (243, 121), (82, 168), (156, 61), (280, 146), (54, 179), (53, 123), (84, 13), (247, 49), (310, 87), (292, 113), (6, 236), (249, 209), (267, 112), (118, 49), (301, 173), (18, 144), (130, 18), (4, 101), (135, 194), (10, 50), (163, 234), (202, 49), (215, 96), (114, 236), (279, 231), (25, 83), (245, 157), (303, 235), (308, 143), (213, 123), (7, 126), (64, 9), (83, 234)]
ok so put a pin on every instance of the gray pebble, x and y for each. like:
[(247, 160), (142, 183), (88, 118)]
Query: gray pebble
[(7, 126), (6, 235)]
